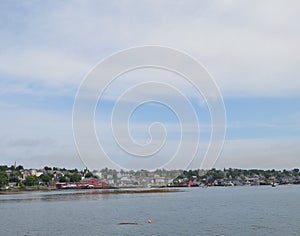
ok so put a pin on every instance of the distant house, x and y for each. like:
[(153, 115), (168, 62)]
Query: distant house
[(35, 172)]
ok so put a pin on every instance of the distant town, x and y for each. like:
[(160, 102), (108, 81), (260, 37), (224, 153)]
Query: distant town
[(16, 177)]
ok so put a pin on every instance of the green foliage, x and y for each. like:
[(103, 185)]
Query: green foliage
[(73, 171), (31, 180), (70, 177), (89, 175), (3, 179), (75, 177), (46, 178), (22, 185), (19, 167), (3, 168), (63, 179), (14, 174)]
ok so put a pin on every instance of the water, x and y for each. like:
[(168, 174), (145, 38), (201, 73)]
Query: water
[(197, 211)]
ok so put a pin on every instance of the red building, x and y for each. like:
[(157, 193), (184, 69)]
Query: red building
[(90, 183)]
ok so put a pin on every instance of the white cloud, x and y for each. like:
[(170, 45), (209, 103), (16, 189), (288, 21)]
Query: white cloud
[(46, 66), (130, 80), (251, 48)]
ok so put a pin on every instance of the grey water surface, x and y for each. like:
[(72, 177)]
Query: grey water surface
[(259, 210)]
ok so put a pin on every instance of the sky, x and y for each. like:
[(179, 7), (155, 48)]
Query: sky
[(250, 48)]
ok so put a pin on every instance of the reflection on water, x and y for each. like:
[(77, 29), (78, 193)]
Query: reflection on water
[(60, 195), (73, 195)]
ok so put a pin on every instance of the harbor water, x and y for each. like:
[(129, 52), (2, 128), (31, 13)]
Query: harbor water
[(251, 210)]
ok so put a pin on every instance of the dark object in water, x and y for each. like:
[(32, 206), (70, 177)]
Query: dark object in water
[(128, 223)]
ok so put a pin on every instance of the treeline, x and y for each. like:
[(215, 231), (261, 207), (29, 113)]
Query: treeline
[(46, 168), (49, 175), (22, 177), (231, 173), (213, 174)]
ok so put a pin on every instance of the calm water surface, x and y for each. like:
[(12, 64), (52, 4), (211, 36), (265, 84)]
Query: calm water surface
[(197, 211)]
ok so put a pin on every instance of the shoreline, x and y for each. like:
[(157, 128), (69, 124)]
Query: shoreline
[(123, 190), (96, 191)]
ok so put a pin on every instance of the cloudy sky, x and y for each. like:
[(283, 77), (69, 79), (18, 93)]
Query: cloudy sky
[(251, 48)]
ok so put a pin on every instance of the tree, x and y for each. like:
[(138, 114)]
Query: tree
[(75, 177), (47, 168), (74, 170), (31, 180), (3, 168), (22, 185), (63, 179), (267, 175), (15, 176), (3, 179), (296, 172), (19, 167), (46, 178), (89, 175)]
